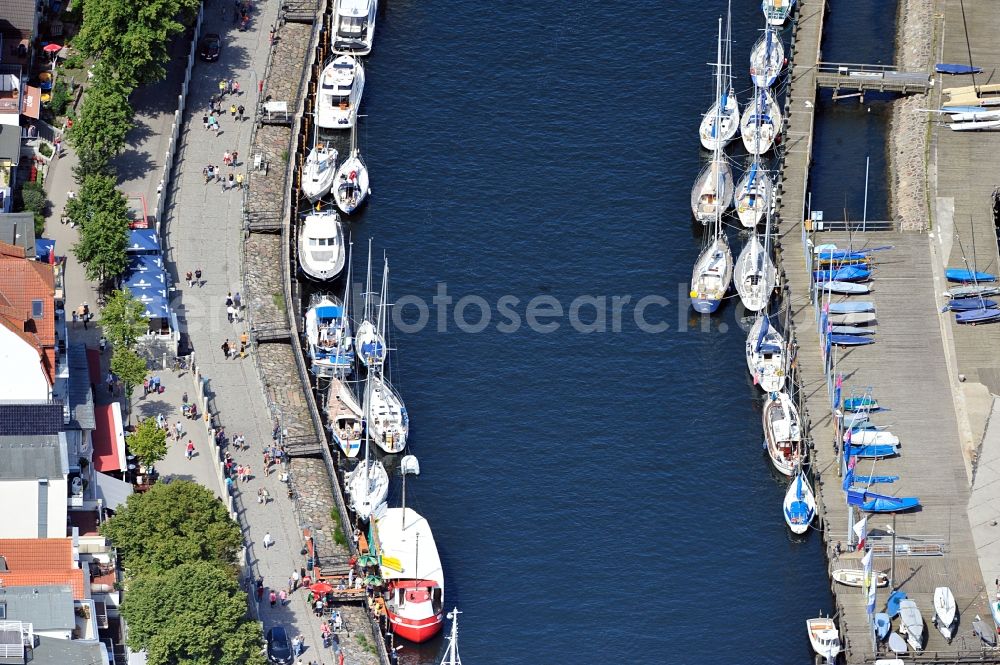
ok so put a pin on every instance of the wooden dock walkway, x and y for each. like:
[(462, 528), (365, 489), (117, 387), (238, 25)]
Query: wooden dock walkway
[(910, 371)]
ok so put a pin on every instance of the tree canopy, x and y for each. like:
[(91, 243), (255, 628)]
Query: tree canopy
[(133, 38), (98, 192), (103, 245), (148, 442), (191, 614), (99, 133), (128, 366), (123, 319), (171, 524)]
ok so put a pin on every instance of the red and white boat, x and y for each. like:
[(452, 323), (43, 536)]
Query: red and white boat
[(412, 571)]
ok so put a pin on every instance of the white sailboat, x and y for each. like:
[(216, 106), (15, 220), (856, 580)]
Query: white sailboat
[(765, 349), (351, 184), (799, 505), (945, 612), (353, 26), (368, 341), (761, 123), (339, 96), (720, 124), (754, 275), (321, 245), (712, 193), (712, 273), (328, 336), (767, 59), (783, 433), (911, 624), (753, 195), (345, 418), (451, 656), (388, 422), (368, 484), (317, 175)]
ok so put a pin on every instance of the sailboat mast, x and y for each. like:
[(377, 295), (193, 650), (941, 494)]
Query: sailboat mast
[(368, 284), (717, 152), (342, 332)]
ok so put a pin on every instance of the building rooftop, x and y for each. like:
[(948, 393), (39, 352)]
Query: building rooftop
[(18, 18), (31, 456), (18, 228), (27, 299), (31, 562), (81, 397), (54, 651), (30, 417), (44, 607)]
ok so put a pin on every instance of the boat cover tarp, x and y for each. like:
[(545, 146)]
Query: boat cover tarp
[(963, 275), (889, 504), (892, 604), (950, 68), (848, 307), (872, 480), (977, 315), (851, 340), (329, 312), (845, 274), (966, 304), (765, 326), (873, 450)]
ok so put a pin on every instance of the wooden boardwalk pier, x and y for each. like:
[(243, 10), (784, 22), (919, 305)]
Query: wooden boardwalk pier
[(911, 370)]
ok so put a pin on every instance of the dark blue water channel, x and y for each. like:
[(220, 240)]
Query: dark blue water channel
[(596, 496)]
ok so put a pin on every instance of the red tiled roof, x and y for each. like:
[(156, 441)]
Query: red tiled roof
[(40, 561), (21, 282), (105, 440)]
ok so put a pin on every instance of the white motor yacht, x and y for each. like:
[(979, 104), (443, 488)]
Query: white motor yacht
[(353, 26), (321, 245), (339, 95), (317, 176)]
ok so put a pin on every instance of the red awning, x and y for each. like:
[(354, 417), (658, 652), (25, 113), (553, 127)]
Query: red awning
[(109, 438), (94, 366), (32, 101)]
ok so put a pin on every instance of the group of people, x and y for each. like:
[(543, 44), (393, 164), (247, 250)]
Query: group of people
[(194, 278), (234, 305)]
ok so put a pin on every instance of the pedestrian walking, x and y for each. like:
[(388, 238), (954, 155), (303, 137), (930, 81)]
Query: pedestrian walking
[(239, 181), (190, 278), (232, 111), (273, 597), (222, 88), (232, 180), (243, 351), (212, 121), (236, 158), (190, 450), (145, 387), (180, 429), (291, 585), (76, 317), (161, 421), (229, 299), (318, 608), (283, 597), (229, 485), (236, 87), (225, 184), (102, 344), (226, 158), (268, 540), (204, 120), (244, 337), (295, 580), (241, 110), (260, 590), (111, 383), (225, 348), (231, 313), (247, 474), (197, 277)]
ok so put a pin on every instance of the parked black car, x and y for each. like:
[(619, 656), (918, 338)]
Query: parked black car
[(279, 649), (211, 46)]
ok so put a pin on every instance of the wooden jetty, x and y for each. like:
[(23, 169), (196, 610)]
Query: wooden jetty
[(839, 76), (911, 373)]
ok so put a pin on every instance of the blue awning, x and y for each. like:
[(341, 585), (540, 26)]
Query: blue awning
[(146, 280), (45, 249), (143, 241), (155, 302), (145, 262)]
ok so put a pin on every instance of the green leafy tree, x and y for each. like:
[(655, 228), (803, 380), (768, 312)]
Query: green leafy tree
[(105, 120), (148, 442), (123, 319), (98, 192), (192, 614), (132, 38), (129, 367), (171, 524), (34, 201), (102, 247)]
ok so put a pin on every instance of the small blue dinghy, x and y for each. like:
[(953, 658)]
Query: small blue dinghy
[(845, 274), (966, 304), (951, 68), (892, 605), (883, 624), (879, 503), (851, 340), (976, 316), (963, 275), (847, 307)]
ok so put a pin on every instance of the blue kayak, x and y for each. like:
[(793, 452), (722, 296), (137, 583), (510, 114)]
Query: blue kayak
[(963, 275), (845, 274), (950, 68)]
